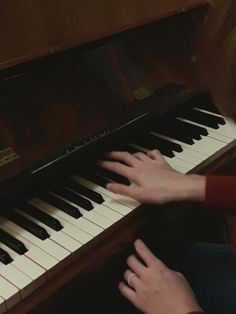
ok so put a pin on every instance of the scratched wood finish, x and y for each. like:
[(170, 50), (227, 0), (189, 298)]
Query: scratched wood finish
[(32, 29)]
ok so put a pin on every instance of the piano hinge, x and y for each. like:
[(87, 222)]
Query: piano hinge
[(7, 155)]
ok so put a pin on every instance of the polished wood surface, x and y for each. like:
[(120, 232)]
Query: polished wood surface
[(33, 29), (58, 102)]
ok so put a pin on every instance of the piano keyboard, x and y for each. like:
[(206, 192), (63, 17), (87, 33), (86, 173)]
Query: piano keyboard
[(36, 236)]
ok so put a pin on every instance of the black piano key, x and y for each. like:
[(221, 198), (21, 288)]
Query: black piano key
[(41, 216), (60, 204), (110, 175), (83, 190), (217, 119), (150, 146), (194, 129), (151, 141), (201, 118), (101, 181), (207, 105), (124, 148), (181, 128), (176, 134), (5, 258), (174, 146), (12, 242), (27, 224), (72, 196), (172, 128)]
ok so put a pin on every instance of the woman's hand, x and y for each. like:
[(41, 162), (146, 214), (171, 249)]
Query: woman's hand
[(152, 179), (154, 288)]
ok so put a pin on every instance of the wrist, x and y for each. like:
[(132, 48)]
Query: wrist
[(196, 188), (193, 188)]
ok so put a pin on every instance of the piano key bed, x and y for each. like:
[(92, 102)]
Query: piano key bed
[(39, 234)]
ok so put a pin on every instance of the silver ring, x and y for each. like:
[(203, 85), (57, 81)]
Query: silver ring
[(130, 277)]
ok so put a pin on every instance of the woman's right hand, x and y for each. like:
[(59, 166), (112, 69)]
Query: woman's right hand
[(153, 180)]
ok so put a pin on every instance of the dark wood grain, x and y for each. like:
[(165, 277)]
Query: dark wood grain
[(58, 102), (30, 30)]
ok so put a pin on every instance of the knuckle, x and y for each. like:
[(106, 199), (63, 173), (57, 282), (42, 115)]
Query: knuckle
[(180, 275), (126, 273), (124, 155), (166, 272), (134, 175), (130, 259)]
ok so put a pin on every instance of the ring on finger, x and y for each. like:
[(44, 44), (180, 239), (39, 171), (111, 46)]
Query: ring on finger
[(130, 277)]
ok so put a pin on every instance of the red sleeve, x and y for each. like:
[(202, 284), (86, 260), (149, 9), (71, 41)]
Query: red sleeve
[(221, 192)]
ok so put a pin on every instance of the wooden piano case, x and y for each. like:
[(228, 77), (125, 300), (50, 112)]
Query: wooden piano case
[(72, 70)]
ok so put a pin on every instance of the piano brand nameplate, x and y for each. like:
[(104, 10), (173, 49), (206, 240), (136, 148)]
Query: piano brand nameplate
[(7, 155)]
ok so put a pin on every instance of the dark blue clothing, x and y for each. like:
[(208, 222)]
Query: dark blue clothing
[(211, 272)]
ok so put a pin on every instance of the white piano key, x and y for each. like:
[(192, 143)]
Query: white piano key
[(47, 245), (107, 212), (209, 145), (185, 155), (227, 130), (129, 202), (27, 266), (86, 225), (17, 278), (219, 136), (231, 126), (98, 219), (57, 236), (3, 307), (81, 223), (9, 293), (178, 164), (117, 206)]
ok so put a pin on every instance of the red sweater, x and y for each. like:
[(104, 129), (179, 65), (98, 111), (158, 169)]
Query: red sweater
[(221, 194)]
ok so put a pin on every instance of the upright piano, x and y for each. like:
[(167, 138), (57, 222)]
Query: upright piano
[(79, 78)]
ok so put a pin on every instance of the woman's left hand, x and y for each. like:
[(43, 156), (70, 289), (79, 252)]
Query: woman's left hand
[(154, 288)]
